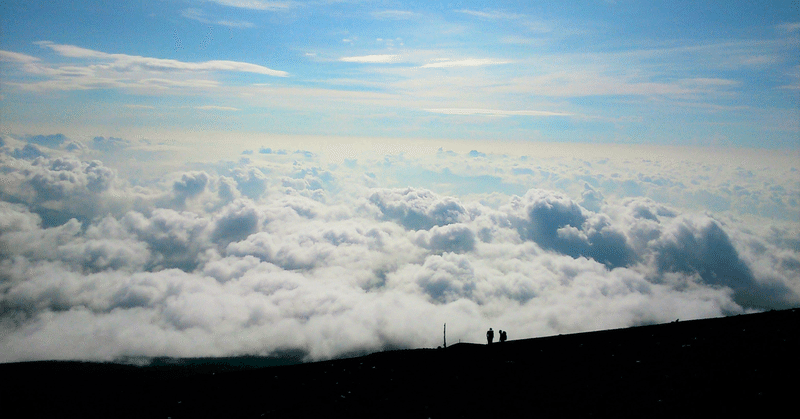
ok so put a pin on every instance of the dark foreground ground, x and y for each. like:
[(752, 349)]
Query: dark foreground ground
[(726, 367)]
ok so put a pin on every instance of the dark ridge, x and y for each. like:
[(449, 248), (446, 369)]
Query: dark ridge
[(222, 364), (730, 366)]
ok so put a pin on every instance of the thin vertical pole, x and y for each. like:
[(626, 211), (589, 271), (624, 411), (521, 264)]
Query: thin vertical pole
[(445, 335)]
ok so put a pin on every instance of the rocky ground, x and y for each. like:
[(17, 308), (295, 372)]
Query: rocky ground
[(726, 367)]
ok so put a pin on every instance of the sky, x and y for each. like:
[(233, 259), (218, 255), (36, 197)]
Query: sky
[(678, 72), (225, 177)]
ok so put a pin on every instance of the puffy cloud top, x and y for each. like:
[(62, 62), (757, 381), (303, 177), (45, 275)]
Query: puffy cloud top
[(273, 254), (418, 209)]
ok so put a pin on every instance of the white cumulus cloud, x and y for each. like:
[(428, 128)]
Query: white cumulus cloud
[(288, 251)]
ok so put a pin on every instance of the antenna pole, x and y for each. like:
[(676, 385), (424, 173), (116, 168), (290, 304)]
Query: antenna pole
[(445, 335)]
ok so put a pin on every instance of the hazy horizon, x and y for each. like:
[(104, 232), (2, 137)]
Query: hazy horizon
[(216, 178)]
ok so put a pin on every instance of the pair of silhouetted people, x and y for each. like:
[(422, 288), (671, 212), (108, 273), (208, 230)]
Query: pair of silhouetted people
[(490, 336)]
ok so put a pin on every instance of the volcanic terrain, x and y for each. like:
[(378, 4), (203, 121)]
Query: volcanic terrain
[(722, 367)]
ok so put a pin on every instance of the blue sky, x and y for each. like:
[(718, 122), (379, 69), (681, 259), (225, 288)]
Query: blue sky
[(678, 73)]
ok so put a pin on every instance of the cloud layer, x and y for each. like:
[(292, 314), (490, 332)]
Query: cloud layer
[(284, 250)]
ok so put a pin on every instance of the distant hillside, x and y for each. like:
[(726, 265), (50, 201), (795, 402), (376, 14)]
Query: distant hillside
[(732, 366)]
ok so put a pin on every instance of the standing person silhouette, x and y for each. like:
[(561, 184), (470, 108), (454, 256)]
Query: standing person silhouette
[(489, 336), (503, 336)]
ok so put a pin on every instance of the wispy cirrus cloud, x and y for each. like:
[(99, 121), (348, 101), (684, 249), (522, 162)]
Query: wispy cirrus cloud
[(376, 59), (795, 75), (93, 69), (531, 25), (491, 14), (17, 57), (469, 62), (216, 108), (394, 14), (495, 112), (255, 4), (72, 51), (789, 27), (129, 62), (200, 16)]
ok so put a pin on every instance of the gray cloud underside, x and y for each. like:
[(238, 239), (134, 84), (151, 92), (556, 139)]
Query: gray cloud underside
[(288, 253)]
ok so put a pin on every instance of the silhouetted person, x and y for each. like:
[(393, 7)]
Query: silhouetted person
[(490, 336), (503, 336)]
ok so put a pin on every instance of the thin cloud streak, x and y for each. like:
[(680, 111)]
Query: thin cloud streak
[(124, 62), (200, 16), (373, 59), (17, 57), (491, 14), (138, 74), (216, 108), (256, 4), (470, 62), (495, 112), (394, 14), (790, 27)]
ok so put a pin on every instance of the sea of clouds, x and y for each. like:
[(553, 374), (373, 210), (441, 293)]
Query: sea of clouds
[(108, 251)]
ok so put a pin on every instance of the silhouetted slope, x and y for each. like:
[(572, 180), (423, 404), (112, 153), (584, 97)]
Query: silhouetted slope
[(733, 366)]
